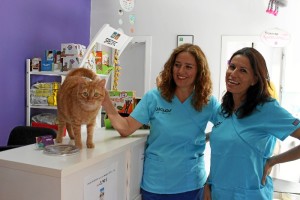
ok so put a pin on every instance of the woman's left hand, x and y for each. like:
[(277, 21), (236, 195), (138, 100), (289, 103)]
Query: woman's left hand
[(207, 191), (267, 170)]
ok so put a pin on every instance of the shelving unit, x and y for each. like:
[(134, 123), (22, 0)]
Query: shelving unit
[(56, 76), (29, 77), (106, 36)]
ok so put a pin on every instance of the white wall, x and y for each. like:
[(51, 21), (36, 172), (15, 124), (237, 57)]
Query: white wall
[(206, 20), (132, 68)]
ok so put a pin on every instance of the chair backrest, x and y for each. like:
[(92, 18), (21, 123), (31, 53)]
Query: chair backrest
[(25, 135)]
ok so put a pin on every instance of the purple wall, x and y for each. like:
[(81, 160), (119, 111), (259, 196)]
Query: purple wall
[(27, 29)]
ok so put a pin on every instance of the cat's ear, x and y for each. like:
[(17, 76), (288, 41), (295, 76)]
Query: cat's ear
[(102, 82)]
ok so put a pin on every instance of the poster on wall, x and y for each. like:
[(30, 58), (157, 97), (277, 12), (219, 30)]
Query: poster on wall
[(275, 37), (182, 39), (102, 184)]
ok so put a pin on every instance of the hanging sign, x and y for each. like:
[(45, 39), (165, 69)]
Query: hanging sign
[(110, 37), (275, 37)]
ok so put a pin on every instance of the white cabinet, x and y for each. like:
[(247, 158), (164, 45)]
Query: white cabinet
[(29, 174)]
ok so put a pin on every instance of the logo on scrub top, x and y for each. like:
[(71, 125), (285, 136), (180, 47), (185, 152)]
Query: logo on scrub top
[(217, 124), (163, 110), (296, 122)]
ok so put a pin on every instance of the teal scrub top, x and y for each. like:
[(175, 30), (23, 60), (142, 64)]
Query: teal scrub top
[(240, 148), (174, 149)]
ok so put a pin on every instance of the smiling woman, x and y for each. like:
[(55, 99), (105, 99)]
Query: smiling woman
[(183, 86), (241, 170), (284, 80)]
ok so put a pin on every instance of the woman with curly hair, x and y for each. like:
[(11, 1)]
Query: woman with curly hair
[(177, 111)]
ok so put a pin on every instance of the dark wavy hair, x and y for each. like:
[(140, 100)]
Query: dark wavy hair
[(256, 94), (202, 85)]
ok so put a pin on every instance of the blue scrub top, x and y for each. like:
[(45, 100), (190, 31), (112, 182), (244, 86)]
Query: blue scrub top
[(174, 149), (240, 148)]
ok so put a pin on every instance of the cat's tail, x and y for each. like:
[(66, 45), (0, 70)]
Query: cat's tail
[(83, 72)]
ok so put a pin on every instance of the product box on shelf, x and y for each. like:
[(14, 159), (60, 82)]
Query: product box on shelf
[(44, 94), (71, 49), (57, 67), (123, 101), (98, 61), (43, 141), (108, 124), (71, 55), (90, 61), (47, 65), (35, 64), (49, 55), (57, 57), (70, 62), (57, 62)]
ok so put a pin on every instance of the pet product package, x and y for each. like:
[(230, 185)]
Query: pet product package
[(123, 101)]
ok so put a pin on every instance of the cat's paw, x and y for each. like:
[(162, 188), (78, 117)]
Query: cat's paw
[(90, 145), (58, 140), (78, 145)]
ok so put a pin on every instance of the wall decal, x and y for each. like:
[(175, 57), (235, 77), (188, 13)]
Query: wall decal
[(127, 5)]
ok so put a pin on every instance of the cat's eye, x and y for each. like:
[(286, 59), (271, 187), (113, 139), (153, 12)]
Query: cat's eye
[(96, 95), (85, 94)]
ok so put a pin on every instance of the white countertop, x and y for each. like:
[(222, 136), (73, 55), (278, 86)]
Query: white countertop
[(283, 186), (107, 143)]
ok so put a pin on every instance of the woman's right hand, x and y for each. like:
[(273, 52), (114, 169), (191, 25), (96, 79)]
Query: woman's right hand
[(106, 101), (207, 192)]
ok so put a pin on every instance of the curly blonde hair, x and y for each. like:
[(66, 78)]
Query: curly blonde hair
[(202, 84)]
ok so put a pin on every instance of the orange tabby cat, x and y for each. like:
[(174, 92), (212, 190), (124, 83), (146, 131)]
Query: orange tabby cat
[(78, 102)]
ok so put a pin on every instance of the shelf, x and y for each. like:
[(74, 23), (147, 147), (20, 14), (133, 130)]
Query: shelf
[(29, 75), (43, 107), (49, 73)]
